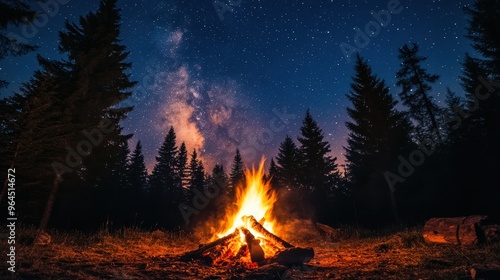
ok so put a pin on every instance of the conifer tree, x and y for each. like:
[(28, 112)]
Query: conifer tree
[(378, 133), (197, 173), (483, 30), (318, 168), (137, 180), (415, 83), (163, 177), (14, 13), (319, 176), (237, 176), (288, 165), (182, 167)]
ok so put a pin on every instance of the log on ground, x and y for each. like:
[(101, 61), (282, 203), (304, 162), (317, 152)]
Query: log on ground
[(291, 256), (454, 231)]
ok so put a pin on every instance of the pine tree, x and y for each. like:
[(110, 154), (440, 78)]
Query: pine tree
[(273, 171), (14, 13), (99, 82), (318, 168), (415, 85), (137, 179), (237, 176), (288, 165), (478, 180), (163, 177), (137, 171), (165, 189), (483, 30), (182, 168), (46, 128), (219, 177), (197, 173), (378, 133)]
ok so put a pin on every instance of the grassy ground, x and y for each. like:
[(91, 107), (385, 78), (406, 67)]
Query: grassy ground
[(135, 254)]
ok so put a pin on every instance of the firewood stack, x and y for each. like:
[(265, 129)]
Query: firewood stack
[(268, 249)]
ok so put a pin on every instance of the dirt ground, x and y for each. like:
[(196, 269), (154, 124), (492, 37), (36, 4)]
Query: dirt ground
[(142, 255)]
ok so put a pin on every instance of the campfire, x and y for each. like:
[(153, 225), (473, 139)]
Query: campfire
[(250, 236)]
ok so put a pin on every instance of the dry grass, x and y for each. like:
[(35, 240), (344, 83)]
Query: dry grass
[(135, 254)]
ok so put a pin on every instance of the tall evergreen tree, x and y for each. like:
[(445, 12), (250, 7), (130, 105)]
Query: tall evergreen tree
[(197, 173), (415, 83), (319, 173), (99, 83), (220, 177), (137, 172), (165, 189), (273, 170), (288, 165), (479, 183), (14, 13), (378, 133), (483, 30), (319, 169), (237, 176), (137, 180), (163, 176), (182, 167)]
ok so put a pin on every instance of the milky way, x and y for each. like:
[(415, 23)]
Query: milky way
[(230, 74)]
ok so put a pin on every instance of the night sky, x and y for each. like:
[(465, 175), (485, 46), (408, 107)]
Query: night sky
[(245, 77)]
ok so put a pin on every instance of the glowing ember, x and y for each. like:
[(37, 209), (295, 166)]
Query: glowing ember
[(249, 237), (256, 198)]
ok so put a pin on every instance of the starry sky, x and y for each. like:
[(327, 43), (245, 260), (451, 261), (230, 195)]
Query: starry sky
[(242, 73)]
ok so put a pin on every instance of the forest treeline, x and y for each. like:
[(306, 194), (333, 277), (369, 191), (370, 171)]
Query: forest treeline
[(404, 163)]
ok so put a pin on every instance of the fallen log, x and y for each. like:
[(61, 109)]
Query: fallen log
[(455, 231), (254, 224), (206, 253), (294, 255)]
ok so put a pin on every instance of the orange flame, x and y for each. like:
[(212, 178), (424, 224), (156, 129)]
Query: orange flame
[(256, 198)]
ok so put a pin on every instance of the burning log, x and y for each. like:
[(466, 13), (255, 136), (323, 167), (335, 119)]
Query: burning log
[(256, 252), (254, 224), (213, 250)]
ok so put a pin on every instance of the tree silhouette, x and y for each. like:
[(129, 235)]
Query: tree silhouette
[(14, 13), (237, 176), (165, 191), (319, 169), (415, 85), (182, 168), (483, 30), (378, 133), (288, 163), (197, 173), (319, 174), (137, 180)]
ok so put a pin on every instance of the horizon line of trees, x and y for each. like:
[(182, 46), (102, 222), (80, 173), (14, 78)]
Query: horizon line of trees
[(401, 165)]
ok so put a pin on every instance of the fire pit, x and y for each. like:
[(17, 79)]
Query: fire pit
[(250, 237)]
